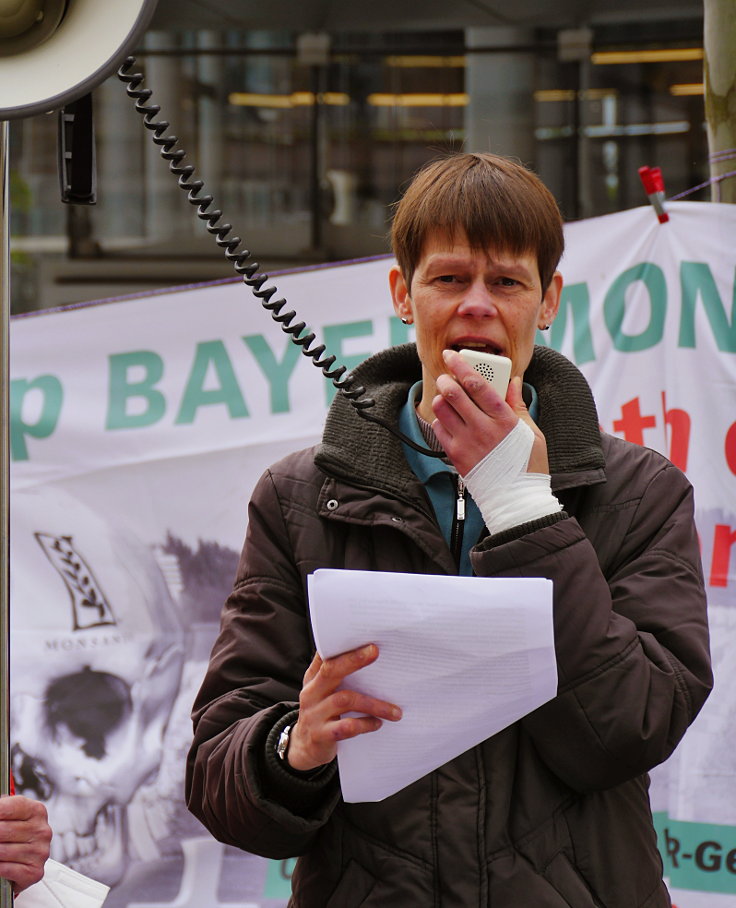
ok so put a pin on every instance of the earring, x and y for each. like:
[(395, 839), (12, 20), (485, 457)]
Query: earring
[(544, 328), (405, 321)]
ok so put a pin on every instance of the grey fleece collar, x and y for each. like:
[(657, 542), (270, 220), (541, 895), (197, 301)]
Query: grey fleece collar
[(368, 455)]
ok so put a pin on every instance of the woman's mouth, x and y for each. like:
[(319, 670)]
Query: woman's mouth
[(478, 346)]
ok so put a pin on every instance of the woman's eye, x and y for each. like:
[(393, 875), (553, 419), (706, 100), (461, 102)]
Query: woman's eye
[(507, 282), (446, 278)]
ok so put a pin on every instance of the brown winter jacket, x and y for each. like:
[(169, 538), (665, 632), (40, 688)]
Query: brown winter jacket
[(552, 812)]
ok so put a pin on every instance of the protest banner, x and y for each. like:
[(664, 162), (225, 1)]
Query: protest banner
[(138, 429)]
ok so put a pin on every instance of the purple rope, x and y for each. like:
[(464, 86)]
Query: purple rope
[(716, 157)]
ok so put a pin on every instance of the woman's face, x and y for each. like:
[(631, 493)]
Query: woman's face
[(482, 299)]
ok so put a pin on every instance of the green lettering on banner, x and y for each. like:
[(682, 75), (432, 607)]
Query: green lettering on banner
[(334, 336), (52, 396), (614, 307), (696, 280), (211, 353), (575, 298), (278, 879), (122, 390), (697, 856), (276, 371)]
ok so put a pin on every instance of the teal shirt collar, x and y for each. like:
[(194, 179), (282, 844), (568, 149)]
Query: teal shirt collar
[(422, 466), (438, 477)]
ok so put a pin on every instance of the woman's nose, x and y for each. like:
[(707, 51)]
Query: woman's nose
[(478, 301)]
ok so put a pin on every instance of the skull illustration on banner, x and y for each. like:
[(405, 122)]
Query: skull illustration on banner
[(96, 659)]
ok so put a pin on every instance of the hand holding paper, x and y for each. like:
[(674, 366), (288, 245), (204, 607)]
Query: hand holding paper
[(25, 839), (463, 657), (323, 703), (62, 887)]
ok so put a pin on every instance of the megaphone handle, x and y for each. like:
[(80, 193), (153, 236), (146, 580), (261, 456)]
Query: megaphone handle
[(76, 152)]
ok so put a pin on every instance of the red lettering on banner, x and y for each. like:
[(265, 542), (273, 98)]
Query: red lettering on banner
[(678, 422), (731, 448), (723, 542), (632, 423)]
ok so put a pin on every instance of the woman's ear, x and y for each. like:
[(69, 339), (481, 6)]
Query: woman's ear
[(400, 295), (551, 301)]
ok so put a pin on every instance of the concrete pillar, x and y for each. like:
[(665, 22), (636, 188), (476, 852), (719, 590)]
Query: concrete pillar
[(163, 212), (500, 114), (121, 139), (210, 150)]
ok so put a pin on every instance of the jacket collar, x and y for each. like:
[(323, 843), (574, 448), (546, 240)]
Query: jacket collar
[(364, 453), (568, 418)]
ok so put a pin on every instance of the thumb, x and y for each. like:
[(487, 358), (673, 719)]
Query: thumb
[(515, 398), (538, 461)]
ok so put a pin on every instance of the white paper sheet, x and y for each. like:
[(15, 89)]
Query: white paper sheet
[(463, 657), (62, 887)]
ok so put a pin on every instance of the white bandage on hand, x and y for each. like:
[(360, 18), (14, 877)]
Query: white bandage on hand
[(505, 493)]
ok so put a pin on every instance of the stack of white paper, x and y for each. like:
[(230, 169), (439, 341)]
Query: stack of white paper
[(62, 887), (462, 656)]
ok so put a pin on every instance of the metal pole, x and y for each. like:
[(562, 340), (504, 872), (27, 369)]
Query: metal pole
[(585, 204), (315, 162), (6, 889)]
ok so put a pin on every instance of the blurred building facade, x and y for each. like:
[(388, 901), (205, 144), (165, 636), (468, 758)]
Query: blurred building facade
[(305, 129)]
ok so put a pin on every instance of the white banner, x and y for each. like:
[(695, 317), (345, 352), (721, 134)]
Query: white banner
[(138, 429)]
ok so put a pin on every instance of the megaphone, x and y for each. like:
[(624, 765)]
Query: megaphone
[(53, 52)]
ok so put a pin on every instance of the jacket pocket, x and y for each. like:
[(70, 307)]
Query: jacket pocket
[(355, 885), (565, 879)]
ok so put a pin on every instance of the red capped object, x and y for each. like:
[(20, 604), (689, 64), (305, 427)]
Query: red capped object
[(653, 183)]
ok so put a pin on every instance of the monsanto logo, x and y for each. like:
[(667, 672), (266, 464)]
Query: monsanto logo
[(90, 608)]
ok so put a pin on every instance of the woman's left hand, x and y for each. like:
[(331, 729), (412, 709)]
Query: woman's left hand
[(25, 837)]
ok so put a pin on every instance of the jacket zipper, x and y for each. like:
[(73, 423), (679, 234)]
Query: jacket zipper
[(458, 523)]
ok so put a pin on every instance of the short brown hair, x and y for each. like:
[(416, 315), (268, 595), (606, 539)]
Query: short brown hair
[(497, 202)]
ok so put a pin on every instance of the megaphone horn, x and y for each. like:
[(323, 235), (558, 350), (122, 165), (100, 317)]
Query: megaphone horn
[(27, 23), (54, 51)]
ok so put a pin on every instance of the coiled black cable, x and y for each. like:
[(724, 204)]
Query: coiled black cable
[(239, 258)]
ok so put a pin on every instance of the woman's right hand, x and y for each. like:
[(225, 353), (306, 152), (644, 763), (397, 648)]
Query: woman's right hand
[(322, 721)]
